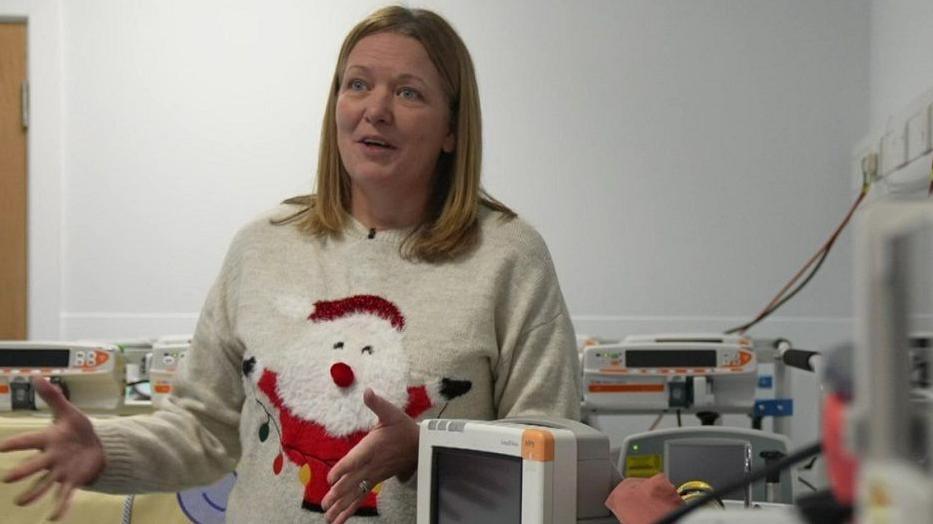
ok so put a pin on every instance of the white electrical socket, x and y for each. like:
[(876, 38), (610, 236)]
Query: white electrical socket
[(893, 150), (918, 135)]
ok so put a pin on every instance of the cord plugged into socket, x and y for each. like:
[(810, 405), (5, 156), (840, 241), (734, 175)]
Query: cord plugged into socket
[(869, 169)]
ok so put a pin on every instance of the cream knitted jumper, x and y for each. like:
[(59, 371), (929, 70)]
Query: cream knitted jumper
[(296, 327)]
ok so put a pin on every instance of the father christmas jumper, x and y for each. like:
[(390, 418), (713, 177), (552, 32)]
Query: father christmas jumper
[(296, 327)]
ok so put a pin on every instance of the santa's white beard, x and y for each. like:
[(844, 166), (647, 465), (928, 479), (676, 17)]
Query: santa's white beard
[(312, 395), (307, 389)]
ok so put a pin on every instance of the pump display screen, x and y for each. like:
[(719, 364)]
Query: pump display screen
[(34, 358), (649, 358), (715, 461), (475, 486)]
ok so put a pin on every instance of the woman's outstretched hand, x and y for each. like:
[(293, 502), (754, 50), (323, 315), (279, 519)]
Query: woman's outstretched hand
[(389, 450), (70, 454)]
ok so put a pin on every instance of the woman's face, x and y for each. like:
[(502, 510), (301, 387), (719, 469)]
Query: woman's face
[(393, 118)]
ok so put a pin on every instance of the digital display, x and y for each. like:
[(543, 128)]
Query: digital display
[(715, 461), (34, 358), (475, 486), (685, 358)]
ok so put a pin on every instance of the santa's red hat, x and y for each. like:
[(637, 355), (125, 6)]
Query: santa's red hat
[(325, 310)]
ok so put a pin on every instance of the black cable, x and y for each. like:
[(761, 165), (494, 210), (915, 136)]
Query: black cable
[(805, 281), (766, 314), (784, 463), (656, 421), (810, 464), (442, 409), (822, 253), (807, 484)]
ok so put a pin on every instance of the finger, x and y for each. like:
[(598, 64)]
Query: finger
[(52, 396), (33, 440), (354, 461), (63, 494), (340, 504), (349, 511), (28, 467), (38, 488), (344, 488), (385, 410)]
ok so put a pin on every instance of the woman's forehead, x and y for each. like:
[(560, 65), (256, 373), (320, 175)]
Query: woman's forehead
[(392, 53)]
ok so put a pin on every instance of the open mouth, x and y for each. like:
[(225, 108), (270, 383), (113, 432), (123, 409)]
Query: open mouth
[(376, 143)]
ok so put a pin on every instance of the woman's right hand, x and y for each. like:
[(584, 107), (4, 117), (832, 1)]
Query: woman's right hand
[(70, 453)]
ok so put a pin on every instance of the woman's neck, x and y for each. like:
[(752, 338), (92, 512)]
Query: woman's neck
[(386, 208)]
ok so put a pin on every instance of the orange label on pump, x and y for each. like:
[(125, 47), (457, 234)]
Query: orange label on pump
[(538, 445)]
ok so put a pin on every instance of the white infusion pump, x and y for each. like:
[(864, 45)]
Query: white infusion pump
[(91, 375), (168, 353), (658, 372)]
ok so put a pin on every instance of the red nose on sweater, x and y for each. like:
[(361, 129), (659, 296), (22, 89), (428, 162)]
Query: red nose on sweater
[(342, 375)]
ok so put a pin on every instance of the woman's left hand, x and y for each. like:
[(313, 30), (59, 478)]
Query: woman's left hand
[(390, 449)]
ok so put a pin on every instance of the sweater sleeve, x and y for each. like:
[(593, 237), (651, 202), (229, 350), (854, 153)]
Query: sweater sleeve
[(537, 372), (194, 439)]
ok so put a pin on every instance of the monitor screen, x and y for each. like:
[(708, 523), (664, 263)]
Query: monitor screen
[(647, 358), (714, 461), (475, 486), (34, 358)]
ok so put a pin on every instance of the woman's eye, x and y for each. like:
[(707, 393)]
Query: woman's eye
[(356, 84), (367, 349), (409, 94), (338, 345)]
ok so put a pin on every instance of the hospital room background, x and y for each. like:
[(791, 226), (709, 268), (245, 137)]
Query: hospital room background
[(682, 159)]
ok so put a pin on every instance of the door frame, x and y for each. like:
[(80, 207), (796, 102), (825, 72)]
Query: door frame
[(44, 162)]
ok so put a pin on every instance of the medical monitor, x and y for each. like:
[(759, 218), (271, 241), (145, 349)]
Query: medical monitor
[(716, 461), (717, 455), (528, 471), (90, 375), (486, 486)]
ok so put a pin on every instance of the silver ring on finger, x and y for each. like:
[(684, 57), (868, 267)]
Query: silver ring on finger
[(364, 486)]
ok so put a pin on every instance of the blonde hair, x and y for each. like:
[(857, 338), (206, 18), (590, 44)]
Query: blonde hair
[(451, 226)]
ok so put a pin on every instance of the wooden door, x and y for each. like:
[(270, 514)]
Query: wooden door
[(12, 182)]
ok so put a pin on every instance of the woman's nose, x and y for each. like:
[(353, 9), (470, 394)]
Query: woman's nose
[(379, 107)]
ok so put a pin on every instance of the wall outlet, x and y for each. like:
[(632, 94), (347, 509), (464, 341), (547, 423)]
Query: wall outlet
[(893, 150), (918, 135)]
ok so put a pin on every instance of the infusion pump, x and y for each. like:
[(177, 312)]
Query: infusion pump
[(168, 353), (91, 375), (688, 372)]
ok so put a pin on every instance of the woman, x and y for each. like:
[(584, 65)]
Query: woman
[(399, 291)]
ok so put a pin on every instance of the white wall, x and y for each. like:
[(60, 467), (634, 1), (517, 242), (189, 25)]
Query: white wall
[(682, 159), (901, 69), (901, 62)]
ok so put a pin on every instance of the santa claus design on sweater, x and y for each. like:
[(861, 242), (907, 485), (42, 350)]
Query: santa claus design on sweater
[(316, 385)]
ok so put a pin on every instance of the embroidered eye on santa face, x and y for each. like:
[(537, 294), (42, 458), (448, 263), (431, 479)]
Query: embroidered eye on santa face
[(338, 345), (367, 349)]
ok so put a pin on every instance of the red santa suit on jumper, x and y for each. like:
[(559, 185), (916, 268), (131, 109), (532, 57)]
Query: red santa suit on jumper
[(317, 385)]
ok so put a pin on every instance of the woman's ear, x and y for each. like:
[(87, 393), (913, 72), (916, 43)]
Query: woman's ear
[(450, 143)]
